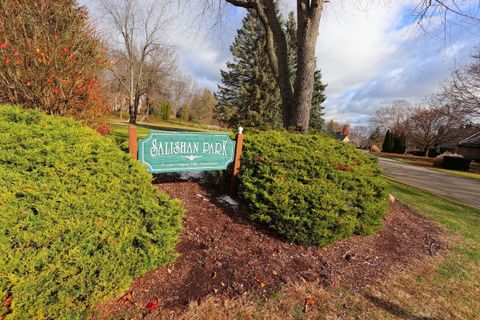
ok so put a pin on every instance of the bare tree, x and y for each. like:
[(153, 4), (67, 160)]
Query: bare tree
[(428, 127), (159, 71), (361, 133), (446, 10), (393, 118), (137, 27), (460, 96)]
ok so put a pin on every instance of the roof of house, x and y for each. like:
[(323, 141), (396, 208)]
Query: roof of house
[(339, 136), (457, 136), (472, 142)]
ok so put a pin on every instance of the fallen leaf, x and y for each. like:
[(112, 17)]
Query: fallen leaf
[(274, 272), (152, 305), (7, 302), (127, 297), (309, 301)]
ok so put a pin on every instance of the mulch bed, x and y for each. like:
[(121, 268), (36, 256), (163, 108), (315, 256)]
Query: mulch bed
[(224, 254)]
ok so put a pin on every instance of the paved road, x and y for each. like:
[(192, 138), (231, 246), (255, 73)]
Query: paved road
[(454, 187)]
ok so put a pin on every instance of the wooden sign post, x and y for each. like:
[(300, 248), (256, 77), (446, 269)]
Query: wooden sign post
[(132, 142), (236, 162)]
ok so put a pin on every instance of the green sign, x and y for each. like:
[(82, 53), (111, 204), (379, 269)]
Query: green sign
[(185, 151)]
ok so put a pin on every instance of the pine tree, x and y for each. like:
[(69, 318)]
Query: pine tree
[(316, 113), (249, 95), (388, 143)]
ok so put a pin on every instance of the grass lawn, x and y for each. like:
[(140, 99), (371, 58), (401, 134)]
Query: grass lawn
[(439, 287), (120, 128), (465, 174)]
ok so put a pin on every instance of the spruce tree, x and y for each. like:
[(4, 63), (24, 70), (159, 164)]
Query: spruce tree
[(249, 95), (388, 142)]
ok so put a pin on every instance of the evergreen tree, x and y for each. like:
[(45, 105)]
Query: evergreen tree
[(388, 142), (249, 95), (316, 113), (399, 144), (184, 112)]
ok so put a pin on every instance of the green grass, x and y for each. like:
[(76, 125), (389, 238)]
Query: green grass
[(465, 174), (461, 219), (120, 128)]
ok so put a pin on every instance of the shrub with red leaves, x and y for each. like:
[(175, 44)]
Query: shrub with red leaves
[(53, 64)]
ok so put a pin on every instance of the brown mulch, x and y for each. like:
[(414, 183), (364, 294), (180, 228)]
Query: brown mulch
[(223, 254)]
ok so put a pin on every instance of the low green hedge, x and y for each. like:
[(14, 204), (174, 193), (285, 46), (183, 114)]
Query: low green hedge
[(79, 220), (311, 189)]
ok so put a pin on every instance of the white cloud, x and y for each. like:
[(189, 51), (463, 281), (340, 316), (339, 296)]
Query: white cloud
[(371, 57)]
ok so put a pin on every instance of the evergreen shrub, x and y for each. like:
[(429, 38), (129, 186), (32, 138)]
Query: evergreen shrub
[(399, 144), (311, 189), (456, 163), (79, 220), (388, 142)]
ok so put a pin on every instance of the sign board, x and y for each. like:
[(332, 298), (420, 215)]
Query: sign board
[(186, 151)]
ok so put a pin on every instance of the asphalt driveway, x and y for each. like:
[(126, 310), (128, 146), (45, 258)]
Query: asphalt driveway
[(457, 188)]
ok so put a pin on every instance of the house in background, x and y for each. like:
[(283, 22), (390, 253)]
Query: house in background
[(469, 147), (455, 137), (342, 136)]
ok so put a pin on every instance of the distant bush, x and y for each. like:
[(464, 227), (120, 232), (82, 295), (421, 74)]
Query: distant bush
[(399, 144), (311, 189), (438, 160), (456, 163), (184, 112), (79, 220), (163, 109)]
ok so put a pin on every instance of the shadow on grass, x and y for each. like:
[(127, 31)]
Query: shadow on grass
[(394, 309)]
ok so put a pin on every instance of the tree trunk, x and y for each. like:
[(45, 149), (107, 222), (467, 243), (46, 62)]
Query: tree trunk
[(427, 151), (296, 99), (135, 108), (132, 119), (277, 50), (308, 24)]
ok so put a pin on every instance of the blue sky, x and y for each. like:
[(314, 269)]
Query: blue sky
[(369, 54)]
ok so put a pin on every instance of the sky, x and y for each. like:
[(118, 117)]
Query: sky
[(370, 53)]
